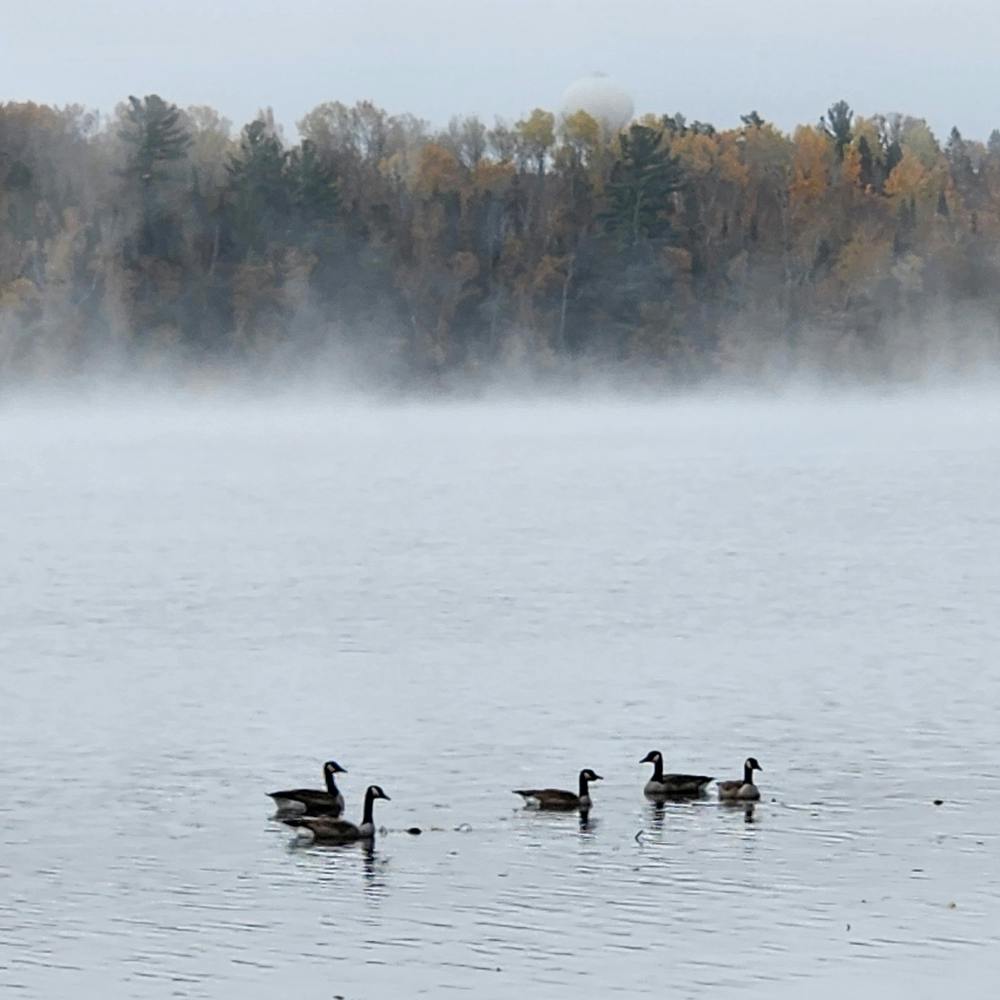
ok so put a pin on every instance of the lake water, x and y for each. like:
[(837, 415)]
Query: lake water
[(201, 603)]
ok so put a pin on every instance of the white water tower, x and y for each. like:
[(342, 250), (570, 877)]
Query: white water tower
[(604, 100)]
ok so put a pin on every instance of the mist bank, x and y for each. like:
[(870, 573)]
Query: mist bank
[(379, 255)]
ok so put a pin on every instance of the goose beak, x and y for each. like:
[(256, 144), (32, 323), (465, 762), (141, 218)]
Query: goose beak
[(386, 797), (596, 777)]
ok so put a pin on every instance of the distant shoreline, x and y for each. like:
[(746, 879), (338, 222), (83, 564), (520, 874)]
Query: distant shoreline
[(379, 252)]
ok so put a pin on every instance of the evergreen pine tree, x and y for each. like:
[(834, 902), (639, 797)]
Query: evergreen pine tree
[(866, 172), (259, 193), (155, 135), (314, 192), (837, 125), (643, 179)]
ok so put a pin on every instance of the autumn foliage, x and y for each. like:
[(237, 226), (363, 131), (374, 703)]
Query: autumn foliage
[(856, 246)]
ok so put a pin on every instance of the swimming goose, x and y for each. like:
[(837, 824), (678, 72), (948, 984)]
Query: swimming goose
[(556, 798), (745, 790), (330, 830), (312, 802), (676, 785)]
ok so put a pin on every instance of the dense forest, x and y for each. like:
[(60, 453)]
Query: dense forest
[(672, 250)]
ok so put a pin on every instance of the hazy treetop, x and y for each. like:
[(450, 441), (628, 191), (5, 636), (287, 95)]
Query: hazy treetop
[(715, 60)]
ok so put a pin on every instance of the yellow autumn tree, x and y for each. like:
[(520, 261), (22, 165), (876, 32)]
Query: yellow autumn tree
[(811, 165), (581, 133), (536, 135), (919, 140), (438, 171), (908, 178)]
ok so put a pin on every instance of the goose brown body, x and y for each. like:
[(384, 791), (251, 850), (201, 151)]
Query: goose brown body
[(332, 830), (312, 801), (558, 798), (741, 791), (662, 785)]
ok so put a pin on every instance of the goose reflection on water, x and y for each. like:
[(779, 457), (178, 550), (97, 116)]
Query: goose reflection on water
[(660, 806), (371, 867), (337, 865), (747, 808), (658, 810)]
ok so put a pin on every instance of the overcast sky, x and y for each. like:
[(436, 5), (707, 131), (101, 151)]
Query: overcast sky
[(710, 59)]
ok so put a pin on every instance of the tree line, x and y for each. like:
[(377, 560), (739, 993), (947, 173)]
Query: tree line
[(854, 246)]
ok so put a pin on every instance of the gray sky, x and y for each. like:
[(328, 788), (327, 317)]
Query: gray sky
[(710, 59)]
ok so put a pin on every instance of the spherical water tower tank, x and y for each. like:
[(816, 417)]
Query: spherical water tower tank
[(602, 99)]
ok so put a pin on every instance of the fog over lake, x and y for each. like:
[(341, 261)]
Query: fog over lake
[(202, 600)]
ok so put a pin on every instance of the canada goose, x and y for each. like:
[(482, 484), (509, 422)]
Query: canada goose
[(331, 830), (312, 802), (677, 785), (556, 798), (745, 790)]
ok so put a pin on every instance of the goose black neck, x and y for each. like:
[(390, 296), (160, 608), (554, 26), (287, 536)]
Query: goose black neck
[(747, 774), (331, 783), (658, 768), (369, 805), (583, 784)]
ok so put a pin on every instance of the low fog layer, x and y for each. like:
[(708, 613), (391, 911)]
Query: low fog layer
[(381, 254)]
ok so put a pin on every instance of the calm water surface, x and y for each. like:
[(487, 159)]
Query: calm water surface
[(199, 604)]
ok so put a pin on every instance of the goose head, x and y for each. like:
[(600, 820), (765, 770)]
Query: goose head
[(332, 767), (376, 793), (652, 757), (587, 775), (751, 764)]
